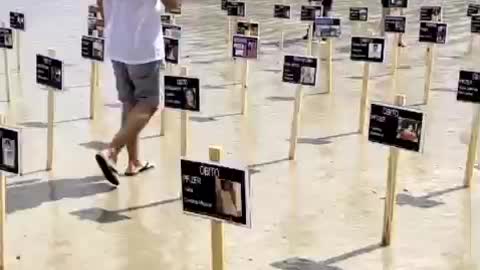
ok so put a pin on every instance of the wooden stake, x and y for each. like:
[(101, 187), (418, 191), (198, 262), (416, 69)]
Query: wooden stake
[(472, 147), (330, 65), (296, 122), (310, 39), (217, 231), (429, 71), (51, 119), (184, 118), (282, 35), (396, 52), (7, 70), (18, 48), (245, 67), (364, 97), (3, 210), (229, 30), (93, 89), (400, 100)]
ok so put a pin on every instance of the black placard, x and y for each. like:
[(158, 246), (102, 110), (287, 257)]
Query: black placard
[(245, 47), (6, 38), (395, 24), (166, 18), (93, 11), (17, 21), (216, 191), (93, 48), (10, 154), (433, 13), (236, 9), (309, 13), (396, 126), (223, 4), (327, 27), (172, 50), (49, 72), (182, 93), (172, 30), (367, 49), (433, 32), (281, 11), (395, 3), (475, 24), (300, 70), (359, 14), (473, 9), (96, 27), (251, 27), (469, 86)]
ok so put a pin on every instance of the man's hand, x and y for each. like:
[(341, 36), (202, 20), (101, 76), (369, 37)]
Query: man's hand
[(171, 4), (100, 8)]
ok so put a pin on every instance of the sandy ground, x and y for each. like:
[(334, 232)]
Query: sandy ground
[(321, 212)]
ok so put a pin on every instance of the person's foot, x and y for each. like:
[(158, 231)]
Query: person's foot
[(305, 37), (107, 165), (137, 167), (402, 45)]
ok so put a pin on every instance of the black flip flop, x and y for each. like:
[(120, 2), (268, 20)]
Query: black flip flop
[(108, 171), (146, 167)]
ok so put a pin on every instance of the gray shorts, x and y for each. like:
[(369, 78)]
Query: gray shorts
[(138, 83)]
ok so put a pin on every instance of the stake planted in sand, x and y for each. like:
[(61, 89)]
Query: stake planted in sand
[(7, 44)]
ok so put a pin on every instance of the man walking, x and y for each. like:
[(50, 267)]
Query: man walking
[(134, 43)]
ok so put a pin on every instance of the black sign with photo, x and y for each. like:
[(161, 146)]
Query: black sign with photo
[(300, 70), (309, 13), (172, 50), (49, 72), (166, 18), (395, 24), (215, 191), (93, 48), (327, 27), (17, 21), (245, 47), (469, 86), (396, 126), (473, 9), (281, 11), (223, 4), (236, 9), (367, 49), (359, 14), (6, 38), (248, 27), (10, 155), (172, 30), (433, 32), (395, 3), (93, 11), (475, 24), (96, 27), (433, 13), (182, 93)]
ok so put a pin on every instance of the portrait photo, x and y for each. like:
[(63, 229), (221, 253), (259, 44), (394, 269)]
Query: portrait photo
[(228, 198)]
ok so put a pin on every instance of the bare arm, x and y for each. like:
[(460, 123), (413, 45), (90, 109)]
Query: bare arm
[(100, 8)]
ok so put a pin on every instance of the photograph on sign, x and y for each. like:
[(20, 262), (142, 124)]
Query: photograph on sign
[(49, 72), (172, 50), (236, 9), (473, 9), (475, 24), (359, 14), (327, 27), (6, 38), (433, 32), (281, 11), (172, 30), (182, 93), (245, 47), (396, 126), (166, 18), (309, 13), (433, 13), (93, 11), (395, 24), (96, 27), (300, 70), (216, 191), (175, 10), (93, 48), (10, 155), (395, 3), (251, 27), (17, 21), (469, 86), (367, 49)]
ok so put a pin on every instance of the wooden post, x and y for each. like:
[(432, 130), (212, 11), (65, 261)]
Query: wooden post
[(245, 68), (472, 147), (310, 39), (184, 118), (3, 210), (7, 70), (18, 49), (330, 65), (400, 100), (229, 30), (217, 231), (396, 52), (282, 35), (296, 122), (51, 119), (364, 97), (93, 88), (429, 71)]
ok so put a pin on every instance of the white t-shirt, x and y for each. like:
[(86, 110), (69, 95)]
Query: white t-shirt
[(133, 31)]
